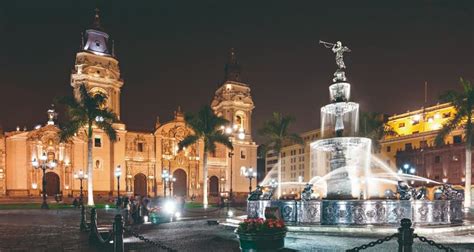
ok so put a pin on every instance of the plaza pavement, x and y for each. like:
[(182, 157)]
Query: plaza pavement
[(57, 230)]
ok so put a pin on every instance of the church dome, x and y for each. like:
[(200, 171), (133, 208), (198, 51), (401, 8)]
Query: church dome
[(96, 39)]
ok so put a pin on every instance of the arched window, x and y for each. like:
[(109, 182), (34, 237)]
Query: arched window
[(239, 119)]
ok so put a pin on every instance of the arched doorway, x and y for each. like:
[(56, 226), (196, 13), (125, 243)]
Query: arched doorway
[(214, 186), (139, 185), (52, 184), (180, 185)]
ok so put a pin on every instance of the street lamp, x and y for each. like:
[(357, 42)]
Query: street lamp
[(171, 180), (231, 154), (118, 173), (229, 130), (44, 164), (164, 177), (250, 174), (81, 176)]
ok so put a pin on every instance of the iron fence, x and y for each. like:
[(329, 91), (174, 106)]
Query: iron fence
[(405, 237), (113, 239)]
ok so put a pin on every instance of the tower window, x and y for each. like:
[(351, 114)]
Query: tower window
[(243, 154), (389, 148), (97, 142), (97, 43), (140, 147), (457, 139), (437, 159)]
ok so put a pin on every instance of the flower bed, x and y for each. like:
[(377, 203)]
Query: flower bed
[(259, 234)]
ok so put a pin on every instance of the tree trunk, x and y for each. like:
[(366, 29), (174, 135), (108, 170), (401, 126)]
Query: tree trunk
[(90, 171), (279, 175), (204, 186), (467, 186)]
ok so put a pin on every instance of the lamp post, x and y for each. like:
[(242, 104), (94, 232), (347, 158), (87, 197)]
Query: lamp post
[(118, 173), (171, 180), (44, 164), (81, 176), (152, 178), (230, 130), (250, 174), (164, 177), (231, 154)]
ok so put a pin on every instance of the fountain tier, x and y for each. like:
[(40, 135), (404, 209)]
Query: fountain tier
[(348, 160)]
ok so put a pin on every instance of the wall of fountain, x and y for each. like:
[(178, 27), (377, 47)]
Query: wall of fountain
[(361, 212)]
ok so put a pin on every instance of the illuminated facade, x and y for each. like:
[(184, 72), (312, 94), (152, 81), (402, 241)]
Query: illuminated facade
[(417, 129), (142, 156), (414, 147), (296, 165)]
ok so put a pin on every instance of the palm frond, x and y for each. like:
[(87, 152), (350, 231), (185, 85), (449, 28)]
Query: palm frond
[(276, 132), (188, 140), (449, 126), (69, 129), (209, 145), (107, 114), (222, 139), (295, 138), (108, 129)]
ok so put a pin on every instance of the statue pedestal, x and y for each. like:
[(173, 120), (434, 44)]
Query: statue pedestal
[(339, 187)]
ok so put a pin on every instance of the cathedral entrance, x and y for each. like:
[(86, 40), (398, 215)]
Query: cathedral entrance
[(214, 186), (52, 184), (180, 185), (139, 185)]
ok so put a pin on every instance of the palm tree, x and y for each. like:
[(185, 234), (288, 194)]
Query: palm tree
[(275, 130), (82, 113), (205, 125), (372, 125), (463, 103)]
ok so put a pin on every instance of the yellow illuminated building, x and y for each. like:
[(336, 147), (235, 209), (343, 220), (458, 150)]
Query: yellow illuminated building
[(417, 130)]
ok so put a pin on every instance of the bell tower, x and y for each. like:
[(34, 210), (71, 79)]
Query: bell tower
[(97, 67), (233, 101)]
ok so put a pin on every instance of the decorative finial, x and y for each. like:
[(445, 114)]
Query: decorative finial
[(232, 57), (232, 67), (51, 115), (96, 23), (82, 41), (157, 122), (178, 114)]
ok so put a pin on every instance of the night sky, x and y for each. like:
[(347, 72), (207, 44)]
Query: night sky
[(173, 53)]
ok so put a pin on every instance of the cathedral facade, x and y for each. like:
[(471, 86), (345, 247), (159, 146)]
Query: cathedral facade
[(142, 157)]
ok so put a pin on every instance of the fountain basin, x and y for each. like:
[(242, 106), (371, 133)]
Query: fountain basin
[(362, 212)]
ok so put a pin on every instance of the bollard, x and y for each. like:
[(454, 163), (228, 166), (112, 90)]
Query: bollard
[(118, 234), (83, 225), (405, 236), (93, 232)]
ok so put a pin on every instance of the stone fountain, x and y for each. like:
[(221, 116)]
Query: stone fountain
[(346, 158)]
